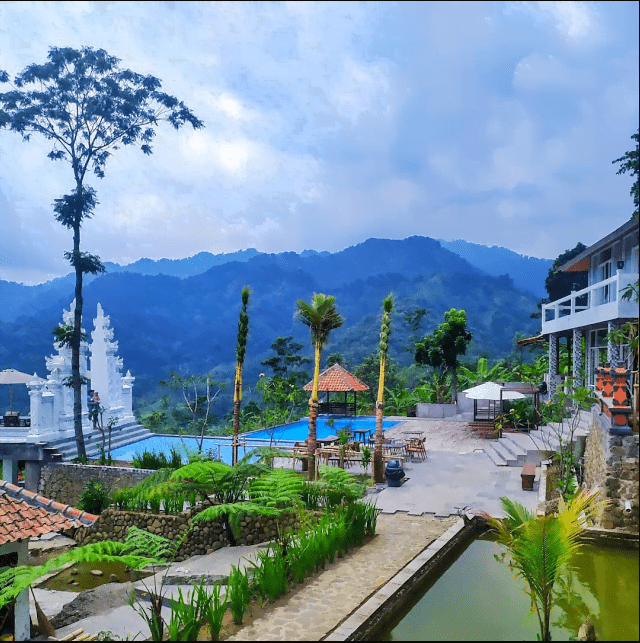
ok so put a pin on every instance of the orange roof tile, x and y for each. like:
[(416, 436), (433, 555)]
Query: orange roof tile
[(336, 378), (24, 514)]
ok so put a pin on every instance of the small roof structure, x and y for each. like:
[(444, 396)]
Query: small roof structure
[(492, 391), (24, 514), (337, 379), (11, 376)]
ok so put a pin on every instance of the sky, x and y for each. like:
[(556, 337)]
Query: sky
[(330, 123)]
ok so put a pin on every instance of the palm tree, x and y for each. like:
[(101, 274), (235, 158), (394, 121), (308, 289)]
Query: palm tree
[(321, 316), (385, 330), (540, 547), (241, 347)]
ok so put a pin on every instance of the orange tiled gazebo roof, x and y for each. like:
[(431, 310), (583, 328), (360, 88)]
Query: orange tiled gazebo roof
[(335, 378), (24, 514)]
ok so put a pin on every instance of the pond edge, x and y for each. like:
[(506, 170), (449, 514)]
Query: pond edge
[(374, 614)]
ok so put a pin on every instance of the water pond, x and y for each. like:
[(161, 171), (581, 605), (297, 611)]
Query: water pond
[(477, 599), (79, 576)]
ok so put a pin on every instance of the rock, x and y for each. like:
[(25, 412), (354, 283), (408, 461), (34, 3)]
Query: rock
[(97, 572), (587, 632), (71, 581), (113, 578), (73, 572)]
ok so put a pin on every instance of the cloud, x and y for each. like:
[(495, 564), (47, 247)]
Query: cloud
[(327, 123)]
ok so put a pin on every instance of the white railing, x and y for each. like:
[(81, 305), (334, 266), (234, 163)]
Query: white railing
[(596, 303)]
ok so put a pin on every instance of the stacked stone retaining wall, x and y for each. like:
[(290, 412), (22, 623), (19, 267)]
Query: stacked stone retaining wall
[(611, 466), (65, 482), (204, 538)]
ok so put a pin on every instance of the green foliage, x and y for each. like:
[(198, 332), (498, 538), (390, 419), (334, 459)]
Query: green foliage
[(369, 371), (321, 316), (540, 547), (269, 573), (630, 163), (336, 486), (198, 396), (441, 349), (238, 593), (94, 497), (564, 410), (157, 460), (202, 604), (286, 362), (559, 283), (139, 550), (279, 488)]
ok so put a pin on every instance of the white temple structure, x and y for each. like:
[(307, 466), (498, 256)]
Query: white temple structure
[(52, 401)]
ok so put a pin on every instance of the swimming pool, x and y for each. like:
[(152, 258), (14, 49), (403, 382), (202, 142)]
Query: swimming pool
[(221, 446)]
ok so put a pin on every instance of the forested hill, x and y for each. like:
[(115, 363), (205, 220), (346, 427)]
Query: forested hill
[(189, 324), (528, 273)]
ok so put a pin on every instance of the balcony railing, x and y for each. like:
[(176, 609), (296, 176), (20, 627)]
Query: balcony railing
[(596, 303)]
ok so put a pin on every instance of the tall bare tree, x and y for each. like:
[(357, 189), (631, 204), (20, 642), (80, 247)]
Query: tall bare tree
[(241, 348), (83, 102), (385, 331)]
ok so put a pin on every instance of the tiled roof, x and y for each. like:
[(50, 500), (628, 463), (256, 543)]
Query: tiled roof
[(24, 514), (336, 378)]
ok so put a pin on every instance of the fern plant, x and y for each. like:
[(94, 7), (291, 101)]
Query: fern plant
[(140, 549)]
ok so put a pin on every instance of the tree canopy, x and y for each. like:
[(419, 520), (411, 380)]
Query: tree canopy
[(629, 163), (441, 349), (559, 284)]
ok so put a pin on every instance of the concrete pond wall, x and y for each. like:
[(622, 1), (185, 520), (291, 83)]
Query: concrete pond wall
[(611, 466)]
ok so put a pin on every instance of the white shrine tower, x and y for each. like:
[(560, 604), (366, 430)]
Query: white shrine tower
[(52, 401)]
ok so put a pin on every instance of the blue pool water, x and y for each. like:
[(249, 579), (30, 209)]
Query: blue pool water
[(297, 431)]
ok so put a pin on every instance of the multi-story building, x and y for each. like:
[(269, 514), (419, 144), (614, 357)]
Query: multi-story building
[(593, 312)]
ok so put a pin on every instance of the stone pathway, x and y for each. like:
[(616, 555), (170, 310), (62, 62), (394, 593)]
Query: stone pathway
[(313, 610)]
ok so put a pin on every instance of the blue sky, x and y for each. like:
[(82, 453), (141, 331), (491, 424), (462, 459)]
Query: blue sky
[(327, 124)]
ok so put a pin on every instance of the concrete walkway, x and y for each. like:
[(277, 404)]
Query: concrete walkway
[(313, 610)]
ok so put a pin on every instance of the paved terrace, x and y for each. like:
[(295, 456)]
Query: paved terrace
[(456, 474)]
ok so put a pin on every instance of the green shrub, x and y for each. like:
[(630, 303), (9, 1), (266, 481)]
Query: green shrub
[(238, 593), (95, 497)]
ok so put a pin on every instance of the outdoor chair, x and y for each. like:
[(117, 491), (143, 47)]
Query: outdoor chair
[(417, 447)]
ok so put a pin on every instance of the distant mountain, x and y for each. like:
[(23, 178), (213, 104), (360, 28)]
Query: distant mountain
[(18, 300), (188, 267), (189, 324), (528, 273)]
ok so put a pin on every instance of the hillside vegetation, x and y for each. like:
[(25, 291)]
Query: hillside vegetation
[(188, 325)]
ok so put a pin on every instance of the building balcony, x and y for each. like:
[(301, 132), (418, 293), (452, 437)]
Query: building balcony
[(597, 304)]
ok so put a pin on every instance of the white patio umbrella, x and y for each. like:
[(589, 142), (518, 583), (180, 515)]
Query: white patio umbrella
[(10, 376), (492, 391)]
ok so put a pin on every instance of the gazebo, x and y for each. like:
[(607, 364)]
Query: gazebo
[(336, 379)]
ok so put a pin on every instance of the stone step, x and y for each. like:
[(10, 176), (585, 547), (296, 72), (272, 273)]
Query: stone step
[(495, 457), (510, 459), (514, 448)]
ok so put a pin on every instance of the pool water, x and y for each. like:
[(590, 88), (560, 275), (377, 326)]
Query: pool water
[(477, 599), (221, 446)]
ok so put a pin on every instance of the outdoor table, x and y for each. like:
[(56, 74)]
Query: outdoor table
[(394, 448), (330, 439), (361, 434), (416, 433)]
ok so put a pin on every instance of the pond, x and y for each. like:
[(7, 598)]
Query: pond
[(79, 576), (477, 599)]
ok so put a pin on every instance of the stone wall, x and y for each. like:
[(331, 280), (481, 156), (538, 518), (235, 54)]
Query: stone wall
[(65, 482), (204, 538), (611, 466)]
